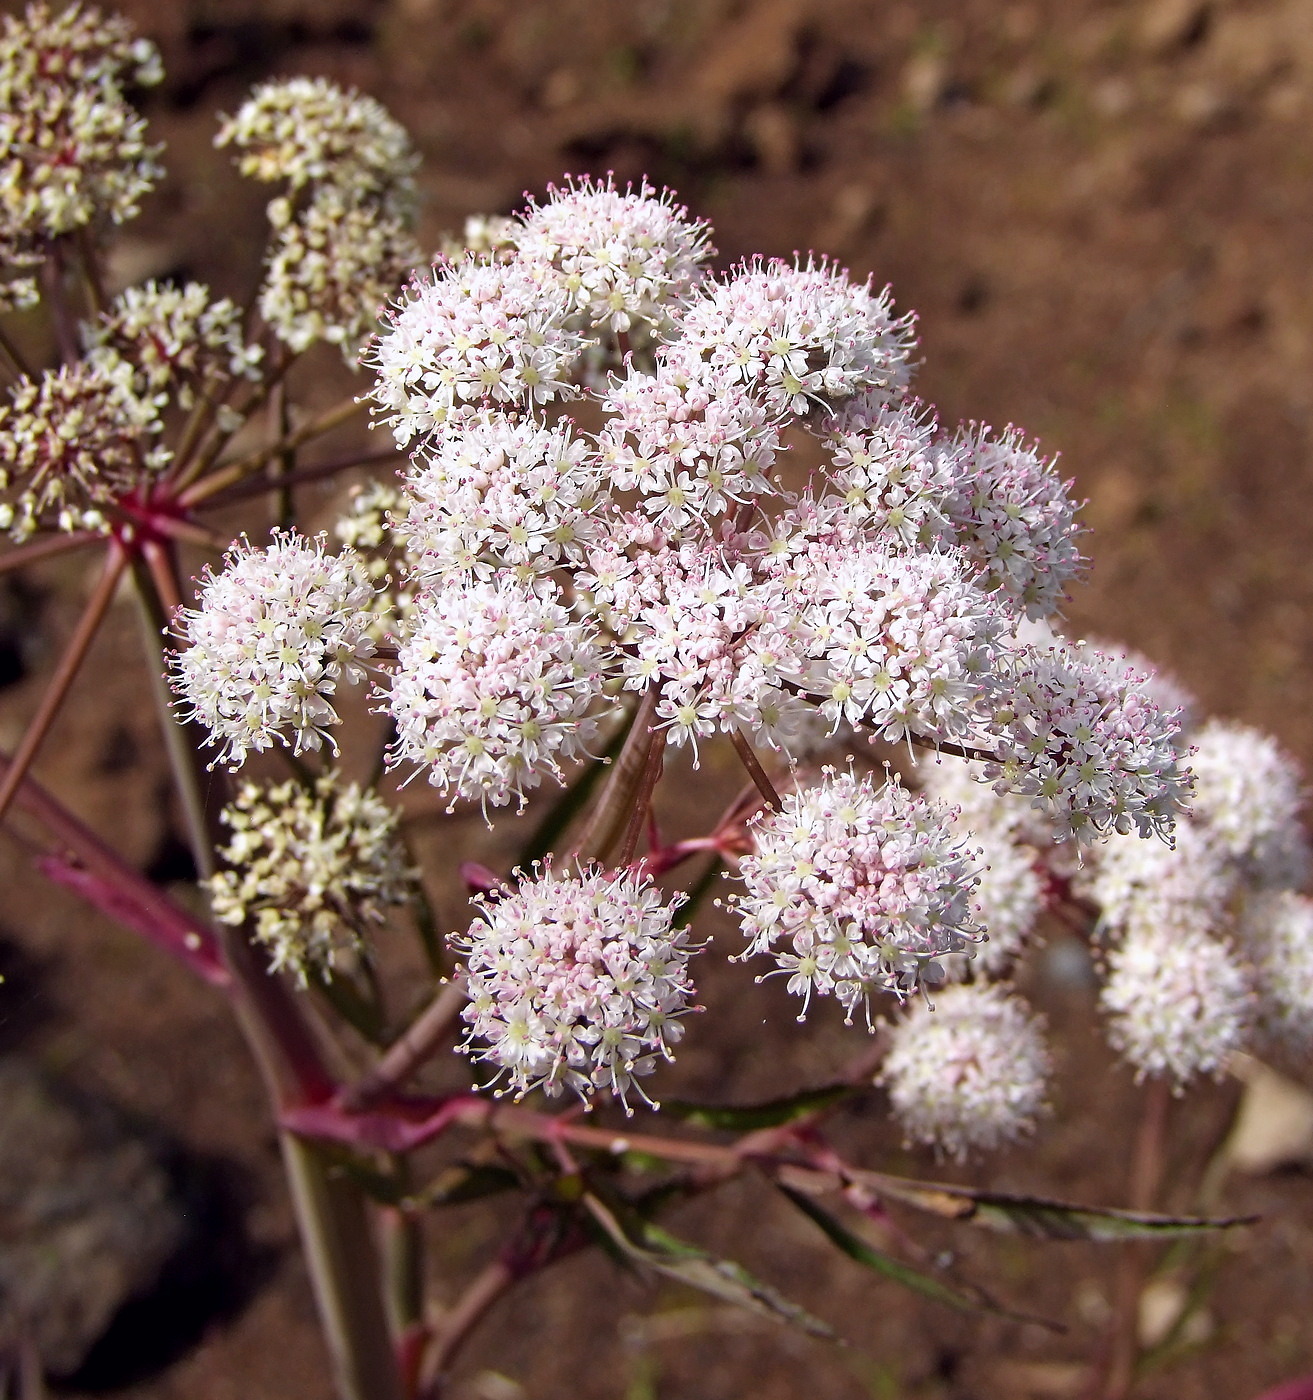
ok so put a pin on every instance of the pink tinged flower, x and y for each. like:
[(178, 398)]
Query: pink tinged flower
[(578, 980), (1139, 883), (888, 475), (476, 333), (1276, 931), (1248, 794), (495, 686), (498, 492), (1015, 518), (624, 257), (801, 336), (1081, 735), (694, 448), (967, 1071), (703, 624), (1179, 1002), (856, 887), (899, 642), (1009, 900), (275, 632), (962, 783)]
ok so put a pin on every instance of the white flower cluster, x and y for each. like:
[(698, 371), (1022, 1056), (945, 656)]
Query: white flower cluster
[(1205, 944), (694, 448), (802, 336), (274, 634), (888, 597), (559, 537), (968, 1071), (1276, 931), (1012, 839), (73, 150), (1081, 734), (494, 687), (627, 258), (1013, 516), (856, 886), (69, 442), (1211, 940), (577, 981), (1248, 796), (1178, 1001), (481, 333), (311, 868), (1207, 941), (175, 338), (502, 494), (342, 241)]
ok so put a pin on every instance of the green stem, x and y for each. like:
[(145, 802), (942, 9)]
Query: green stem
[(344, 1268), (330, 1208), (402, 1246), (232, 472)]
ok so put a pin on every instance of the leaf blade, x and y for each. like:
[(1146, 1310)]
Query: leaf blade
[(866, 1254), (1037, 1217), (696, 1268), (746, 1118)]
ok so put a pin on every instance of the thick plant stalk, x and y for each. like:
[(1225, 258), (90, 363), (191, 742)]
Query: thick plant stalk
[(330, 1207), (416, 1044), (611, 814)]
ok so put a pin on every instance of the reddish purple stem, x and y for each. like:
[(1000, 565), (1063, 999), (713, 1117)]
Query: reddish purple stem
[(156, 918)]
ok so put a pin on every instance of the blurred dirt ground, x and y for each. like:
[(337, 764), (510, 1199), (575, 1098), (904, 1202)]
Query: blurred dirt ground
[(1102, 213)]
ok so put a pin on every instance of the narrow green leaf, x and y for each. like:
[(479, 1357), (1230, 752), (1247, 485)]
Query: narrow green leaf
[(858, 1249), (749, 1117), (652, 1248), (1036, 1217)]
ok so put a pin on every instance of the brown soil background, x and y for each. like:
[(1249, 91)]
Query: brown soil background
[(1101, 212)]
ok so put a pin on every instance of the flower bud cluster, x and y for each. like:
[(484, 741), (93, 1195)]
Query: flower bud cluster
[(69, 442), (308, 131), (177, 340), (967, 1071), (578, 980), (312, 869), (73, 151), (342, 239)]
